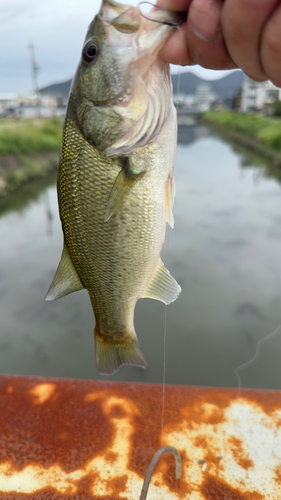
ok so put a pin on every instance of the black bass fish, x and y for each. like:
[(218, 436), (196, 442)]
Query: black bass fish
[(115, 182)]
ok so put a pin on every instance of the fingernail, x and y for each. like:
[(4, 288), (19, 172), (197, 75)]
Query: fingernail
[(203, 26)]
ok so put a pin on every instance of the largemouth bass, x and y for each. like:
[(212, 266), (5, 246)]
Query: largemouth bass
[(115, 182)]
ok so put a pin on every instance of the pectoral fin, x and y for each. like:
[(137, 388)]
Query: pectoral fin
[(123, 184), (162, 286), (170, 195), (66, 279)]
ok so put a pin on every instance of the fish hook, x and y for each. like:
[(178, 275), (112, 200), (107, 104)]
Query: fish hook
[(166, 23), (152, 465)]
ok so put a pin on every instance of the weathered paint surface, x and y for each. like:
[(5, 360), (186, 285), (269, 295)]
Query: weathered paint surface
[(82, 440)]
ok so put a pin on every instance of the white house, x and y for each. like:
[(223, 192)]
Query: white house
[(257, 96)]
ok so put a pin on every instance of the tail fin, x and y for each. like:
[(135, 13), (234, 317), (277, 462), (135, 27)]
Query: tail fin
[(111, 356)]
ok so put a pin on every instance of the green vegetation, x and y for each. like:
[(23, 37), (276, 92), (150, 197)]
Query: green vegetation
[(30, 136), (264, 130)]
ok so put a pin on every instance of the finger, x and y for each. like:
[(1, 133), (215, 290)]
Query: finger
[(242, 24), (204, 19), (209, 55), (204, 35), (271, 48), (175, 51), (176, 5)]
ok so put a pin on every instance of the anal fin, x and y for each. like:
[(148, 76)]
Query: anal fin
[(162, 285), (66, 279)]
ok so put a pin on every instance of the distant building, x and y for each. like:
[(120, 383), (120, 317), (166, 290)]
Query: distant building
[(8, 104), (258, 96), (204, 97), (13, 105), (199, 102), (184, 101)]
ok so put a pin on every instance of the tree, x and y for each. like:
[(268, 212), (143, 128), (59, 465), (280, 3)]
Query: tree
[(276, 105)]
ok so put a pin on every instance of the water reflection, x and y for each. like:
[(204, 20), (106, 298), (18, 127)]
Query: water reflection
[(24, 197), (224, 251), (48, 214), (187, 135), (262, 168)]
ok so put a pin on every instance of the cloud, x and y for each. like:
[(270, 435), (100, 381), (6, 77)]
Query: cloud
[(57, 30)]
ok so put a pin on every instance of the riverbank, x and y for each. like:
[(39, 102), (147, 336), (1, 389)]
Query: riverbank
[(29, 150), (259, 134)]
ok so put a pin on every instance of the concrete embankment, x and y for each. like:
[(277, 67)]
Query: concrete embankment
[(29, 150), (17, 170), (259, 134)]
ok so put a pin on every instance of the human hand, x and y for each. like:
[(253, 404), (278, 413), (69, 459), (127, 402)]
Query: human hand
[(225, 34)]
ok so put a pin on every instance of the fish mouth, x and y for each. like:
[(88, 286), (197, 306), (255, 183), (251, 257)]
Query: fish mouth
[(134, 39), (112, 10), (151, 29)]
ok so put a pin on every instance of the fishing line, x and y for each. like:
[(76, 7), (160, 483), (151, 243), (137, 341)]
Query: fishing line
[(165, 314), (178, 91), (164, 376), (165, 23)]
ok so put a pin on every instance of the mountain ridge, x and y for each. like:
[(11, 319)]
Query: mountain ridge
[(224, 87)]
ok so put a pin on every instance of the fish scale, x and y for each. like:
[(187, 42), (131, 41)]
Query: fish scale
[(115, 201), (104, 244)]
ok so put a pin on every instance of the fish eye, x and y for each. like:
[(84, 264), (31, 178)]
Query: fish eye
[(91, 50)]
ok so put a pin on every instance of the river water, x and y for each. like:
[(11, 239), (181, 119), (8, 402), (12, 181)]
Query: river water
[(225, 251)]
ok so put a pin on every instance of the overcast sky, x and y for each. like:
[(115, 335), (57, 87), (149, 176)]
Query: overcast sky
[(57, 28)]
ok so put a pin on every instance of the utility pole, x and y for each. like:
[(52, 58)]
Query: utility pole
[(34, 69)]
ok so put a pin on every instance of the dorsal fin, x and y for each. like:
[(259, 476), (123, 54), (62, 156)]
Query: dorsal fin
[(66, 279), (162, 285)]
